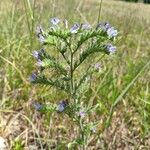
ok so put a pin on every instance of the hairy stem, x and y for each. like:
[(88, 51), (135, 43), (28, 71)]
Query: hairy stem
[(82, 133)]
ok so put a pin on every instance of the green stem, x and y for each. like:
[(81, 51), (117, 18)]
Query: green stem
[(71, 76), (71, 69), (82, 133)]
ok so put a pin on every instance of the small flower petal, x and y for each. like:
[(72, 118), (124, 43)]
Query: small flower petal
[(35, 54), (111, 32), (82, 114), (107, 25), (97, 66), (37, 106), (61, 106), (33, 77), (54, 21), (38, 54), (110, 48), (75, 28)]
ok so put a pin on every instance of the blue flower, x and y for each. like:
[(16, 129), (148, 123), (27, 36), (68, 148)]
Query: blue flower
[(111, 32), (54, 21), (38, 54), (82, 114), (38, 106), (33, 77), (107, 26), (86, 26), (61, 106), (75, 28), (103, 26), (110, 48), (35, 54)]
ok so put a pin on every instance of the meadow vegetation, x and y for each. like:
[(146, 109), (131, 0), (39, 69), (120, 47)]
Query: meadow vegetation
[(122, 87)]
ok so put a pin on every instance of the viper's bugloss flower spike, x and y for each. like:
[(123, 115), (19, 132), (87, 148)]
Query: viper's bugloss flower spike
[(75, 28), (33, 77), (55, 21), (86, 26), (37, 106), (111, 32), (62, 105), (110, 48)]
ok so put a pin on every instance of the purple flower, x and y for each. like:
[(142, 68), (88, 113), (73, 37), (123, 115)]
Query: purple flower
[(103, 26), (38, 106), (97, 66), (54, 21), (75, 28), (82, 114), (86, 26), (38, 54), (107, 25), (112, 32), (39, 30), (35, 54), (61, 106), (33, 77), (110, 48)]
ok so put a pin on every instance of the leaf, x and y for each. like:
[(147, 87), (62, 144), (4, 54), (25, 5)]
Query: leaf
[(85, 36), (41, 79), (52, 63), (90, 50)]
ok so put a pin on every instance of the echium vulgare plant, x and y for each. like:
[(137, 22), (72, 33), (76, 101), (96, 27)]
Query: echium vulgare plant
[(74, 45)]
